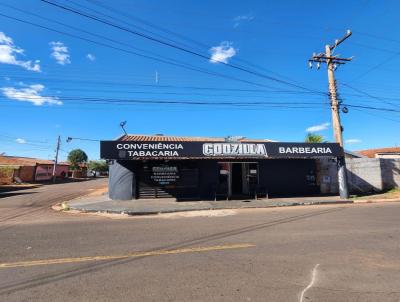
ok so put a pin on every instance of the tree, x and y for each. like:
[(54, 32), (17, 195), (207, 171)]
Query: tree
[(314, 138), (76, 157), (98, 166)]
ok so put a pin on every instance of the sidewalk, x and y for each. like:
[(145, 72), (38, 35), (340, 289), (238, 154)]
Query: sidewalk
[(168, 205)]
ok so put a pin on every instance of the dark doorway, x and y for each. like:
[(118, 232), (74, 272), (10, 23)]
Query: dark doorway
[(223, 181), (237, 179)]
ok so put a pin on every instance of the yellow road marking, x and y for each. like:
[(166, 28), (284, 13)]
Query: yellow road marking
[(130, 255)]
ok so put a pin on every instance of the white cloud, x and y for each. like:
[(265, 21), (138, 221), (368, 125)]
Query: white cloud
[(60, 53), (31, 94), (222, 53), (239, 19), (317, 128), (9, 52), (20, 141), (90, 57), (353, 141)]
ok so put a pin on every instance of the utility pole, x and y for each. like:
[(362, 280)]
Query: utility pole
[(332, 63), (56, 159)]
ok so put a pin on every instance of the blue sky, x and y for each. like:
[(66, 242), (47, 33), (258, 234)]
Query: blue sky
[(56, 84)]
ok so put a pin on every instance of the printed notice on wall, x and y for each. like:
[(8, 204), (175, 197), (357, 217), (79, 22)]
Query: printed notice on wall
[(164, 175)]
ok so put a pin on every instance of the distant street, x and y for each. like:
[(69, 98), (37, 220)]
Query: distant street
[(313, 253), (22, 205)]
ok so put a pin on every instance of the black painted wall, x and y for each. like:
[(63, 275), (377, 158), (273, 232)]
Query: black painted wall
[(278, 177), (208, 176)]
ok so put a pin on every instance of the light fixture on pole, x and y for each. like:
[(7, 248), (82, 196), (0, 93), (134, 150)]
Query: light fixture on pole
[(69, 139)]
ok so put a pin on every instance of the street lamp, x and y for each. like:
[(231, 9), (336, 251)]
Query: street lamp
[(69, 139)]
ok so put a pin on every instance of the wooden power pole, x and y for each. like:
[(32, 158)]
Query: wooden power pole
[(332, 63), (56, 159)]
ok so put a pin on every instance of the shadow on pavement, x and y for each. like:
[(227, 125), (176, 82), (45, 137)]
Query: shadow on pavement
[(70, 180), (14, 193)]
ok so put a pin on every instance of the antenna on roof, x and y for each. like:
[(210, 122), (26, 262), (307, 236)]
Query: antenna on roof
[(122, 125)]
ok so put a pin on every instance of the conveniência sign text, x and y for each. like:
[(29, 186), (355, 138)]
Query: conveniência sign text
[(148, 149)]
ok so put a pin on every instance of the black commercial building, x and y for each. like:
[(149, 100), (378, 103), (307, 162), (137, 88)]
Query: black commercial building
[(201, 168)]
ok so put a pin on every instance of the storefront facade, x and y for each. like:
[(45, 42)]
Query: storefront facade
[(208, 168)]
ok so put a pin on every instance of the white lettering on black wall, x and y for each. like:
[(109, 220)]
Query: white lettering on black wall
[(158, 146), (232, 149), (305, 150)]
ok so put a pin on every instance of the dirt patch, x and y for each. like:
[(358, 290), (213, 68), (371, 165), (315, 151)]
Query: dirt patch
[(392, 195), (205, 213), (98, 192)]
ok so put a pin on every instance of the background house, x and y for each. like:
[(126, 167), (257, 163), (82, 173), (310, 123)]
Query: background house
[(26, 169), (391, 152)]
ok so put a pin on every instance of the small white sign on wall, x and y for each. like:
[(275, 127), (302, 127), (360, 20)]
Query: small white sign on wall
[(326, 179)]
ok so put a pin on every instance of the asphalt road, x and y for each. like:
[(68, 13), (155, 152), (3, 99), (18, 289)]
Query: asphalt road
[(308, 253), (23, 205)]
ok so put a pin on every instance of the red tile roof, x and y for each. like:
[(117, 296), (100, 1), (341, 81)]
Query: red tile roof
[(372, 152), (26, 161), (162, 138)]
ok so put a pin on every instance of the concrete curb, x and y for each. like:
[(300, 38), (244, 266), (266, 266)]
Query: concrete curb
[(133, 212), (377, 200)]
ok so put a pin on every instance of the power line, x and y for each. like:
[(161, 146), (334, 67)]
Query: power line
[(376, 67), (116, 92), (151, 93), (377, 36), (159, 86), (376, 115), (130, 24), (33, 145), (166, 43), (112, 40), (180, 36), (370, 96), (94, 81), (158, 107), (177, 102), (373, 47), (30, 140), (182, 65), (103, 83), (373, 108), (80, 29)]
